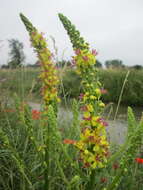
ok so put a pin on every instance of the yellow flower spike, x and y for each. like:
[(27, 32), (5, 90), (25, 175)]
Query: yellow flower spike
[(49, 74), (92, 145)]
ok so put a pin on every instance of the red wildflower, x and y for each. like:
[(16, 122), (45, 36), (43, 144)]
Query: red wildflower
[(36, 114), (87, 118), (69, 141), (86, 165), (115, 166), (80, 159), (9, 110), (103, 91), (103, 180), (83, 108), (105, 123), (97, 158), (91, 137), (40, 177), (107, 154), (102, 121), (139, 160)]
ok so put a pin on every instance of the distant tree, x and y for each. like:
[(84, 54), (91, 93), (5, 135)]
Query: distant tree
[(4, 66), (115, 63), (16, 53), (137, 67), (98, 64)]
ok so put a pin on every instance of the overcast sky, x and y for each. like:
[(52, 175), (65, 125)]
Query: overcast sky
[(113, 27)]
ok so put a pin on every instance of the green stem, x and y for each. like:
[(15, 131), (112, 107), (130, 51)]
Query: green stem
[(46, 176), (62, 174), (21, 169), (115, 182), (120, 97), (91, 183), (47, 161)]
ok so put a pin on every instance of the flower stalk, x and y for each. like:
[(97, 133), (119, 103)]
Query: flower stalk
[(48, 75), (50, 82), (92, 145)]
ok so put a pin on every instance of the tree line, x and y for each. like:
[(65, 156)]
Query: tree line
[(17, 58)]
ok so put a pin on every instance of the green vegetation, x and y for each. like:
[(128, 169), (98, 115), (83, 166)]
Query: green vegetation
[(24, 82), (112, 80), (22, 136)]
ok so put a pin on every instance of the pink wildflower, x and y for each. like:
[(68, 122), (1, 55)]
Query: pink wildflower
[(77, 51), (85, 58), (103, 91), (94, 52)]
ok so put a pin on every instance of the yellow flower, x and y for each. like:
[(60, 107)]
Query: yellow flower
[(94, 165), (58, 100), (90, 108), (100, 165), (94, 120), (86, 114), (101, 104), (86, 152), (80, 145), (96, 148), (97, 90), (87, 93), (93, 97)]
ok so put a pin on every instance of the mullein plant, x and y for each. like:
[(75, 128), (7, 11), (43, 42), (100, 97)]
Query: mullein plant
[(93, 145), (50, 83), (49, 71)]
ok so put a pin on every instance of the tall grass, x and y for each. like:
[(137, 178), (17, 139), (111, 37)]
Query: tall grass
[(23, 81), (22, 157)]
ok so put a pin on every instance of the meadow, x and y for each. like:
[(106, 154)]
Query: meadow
[(42, 149), (25, 83)]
